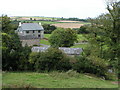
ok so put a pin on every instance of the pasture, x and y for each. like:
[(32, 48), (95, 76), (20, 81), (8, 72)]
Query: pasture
[(53, 80)]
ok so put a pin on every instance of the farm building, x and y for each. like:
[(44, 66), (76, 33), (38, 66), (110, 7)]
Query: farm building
[(68, 51), (30, 33)]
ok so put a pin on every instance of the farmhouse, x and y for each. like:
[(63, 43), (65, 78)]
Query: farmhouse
[(30, 33), (68, 51)]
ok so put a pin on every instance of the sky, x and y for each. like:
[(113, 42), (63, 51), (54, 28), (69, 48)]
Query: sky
[(54, 8)]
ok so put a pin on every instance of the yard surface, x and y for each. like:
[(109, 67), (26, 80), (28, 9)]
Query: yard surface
[(53, 80)]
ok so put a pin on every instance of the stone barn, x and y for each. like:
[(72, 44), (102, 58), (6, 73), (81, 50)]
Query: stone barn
[(68, 51)]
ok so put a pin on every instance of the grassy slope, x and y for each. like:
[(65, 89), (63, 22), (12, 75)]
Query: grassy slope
[(45, 80)]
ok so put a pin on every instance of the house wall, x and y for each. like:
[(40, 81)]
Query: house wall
[(36, 33)]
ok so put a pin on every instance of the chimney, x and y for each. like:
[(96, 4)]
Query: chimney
[(19, 24), (39, 23)]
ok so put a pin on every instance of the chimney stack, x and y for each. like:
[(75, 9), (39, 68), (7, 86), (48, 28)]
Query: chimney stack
[(19, 24), (39, 23)]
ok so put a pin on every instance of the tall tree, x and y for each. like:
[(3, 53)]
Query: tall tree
[(63, 37), (104, 37), (12, 50)]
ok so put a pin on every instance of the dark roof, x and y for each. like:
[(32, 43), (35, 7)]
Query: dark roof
[(30, 26), (69, 51)]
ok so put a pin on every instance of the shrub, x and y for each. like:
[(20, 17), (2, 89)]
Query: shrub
[(52, 59), (64, 64), (24, 58), (92, 65), (34, 56)]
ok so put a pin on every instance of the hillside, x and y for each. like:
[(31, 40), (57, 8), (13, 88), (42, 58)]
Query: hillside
[(54, 80)]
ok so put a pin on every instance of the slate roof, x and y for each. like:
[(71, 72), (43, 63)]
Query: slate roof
[(69, 51), (30, 26)]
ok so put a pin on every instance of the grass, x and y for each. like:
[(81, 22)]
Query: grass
[(53, 80), (79, 46), (47, 35), (81, 37), (43, 41)]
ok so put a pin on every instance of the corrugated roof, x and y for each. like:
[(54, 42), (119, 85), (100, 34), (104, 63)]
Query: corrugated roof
[(30, 26)]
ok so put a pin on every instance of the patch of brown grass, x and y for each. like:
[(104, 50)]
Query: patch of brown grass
[(68, 25)]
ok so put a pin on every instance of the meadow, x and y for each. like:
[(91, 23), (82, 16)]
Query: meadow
[(53, 80)]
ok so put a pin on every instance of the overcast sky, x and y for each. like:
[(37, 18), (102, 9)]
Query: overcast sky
[(53, 8)]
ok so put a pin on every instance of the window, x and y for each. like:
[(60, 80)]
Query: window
[(39, 31), (33, 31), (38, 35), (27, 31)]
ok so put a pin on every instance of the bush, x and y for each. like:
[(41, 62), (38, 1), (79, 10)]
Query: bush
[(83, 30), (24, 58), (64, 64), (90, 65), (48, 28), (52, 59)]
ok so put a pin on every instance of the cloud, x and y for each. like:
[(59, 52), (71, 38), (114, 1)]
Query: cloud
[(58, 8)]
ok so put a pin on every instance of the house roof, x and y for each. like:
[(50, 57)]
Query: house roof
[(69, 51), (30, 26)]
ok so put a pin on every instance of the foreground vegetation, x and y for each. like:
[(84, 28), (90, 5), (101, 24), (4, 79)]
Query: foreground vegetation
[(69, 79)]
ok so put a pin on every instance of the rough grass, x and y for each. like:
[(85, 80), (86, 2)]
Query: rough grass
[(79, 46), (81, 37), (45, 42), (53, 80)]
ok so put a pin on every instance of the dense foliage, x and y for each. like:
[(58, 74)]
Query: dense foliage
[(83, 30), (12, 50), (48, 28), (52, 59), (93, 65), (104, 37), (63, 37)]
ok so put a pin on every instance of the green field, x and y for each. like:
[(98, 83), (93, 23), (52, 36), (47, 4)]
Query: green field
[(80, 46), (53, 80)]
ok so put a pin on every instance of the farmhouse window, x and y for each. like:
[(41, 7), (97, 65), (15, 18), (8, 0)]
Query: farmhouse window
[(38, 31), (38, 35), (27, 31), (33, 31)]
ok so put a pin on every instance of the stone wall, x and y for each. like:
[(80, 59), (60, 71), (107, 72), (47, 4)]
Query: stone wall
[(30, 42)]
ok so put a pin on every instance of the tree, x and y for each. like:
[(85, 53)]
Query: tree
[(104, 36), (11, 47), (63, 37), (48, 28), (83, 30), (6, 24)]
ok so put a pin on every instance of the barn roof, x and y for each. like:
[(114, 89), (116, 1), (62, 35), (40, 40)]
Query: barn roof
[(30, 26), (69, 51)]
